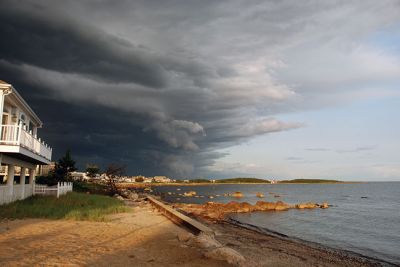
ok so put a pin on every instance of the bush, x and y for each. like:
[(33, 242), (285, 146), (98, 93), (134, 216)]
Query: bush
[(47, 180), (93, 188)]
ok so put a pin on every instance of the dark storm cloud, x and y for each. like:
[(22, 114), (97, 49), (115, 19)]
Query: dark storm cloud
[(63, 45)]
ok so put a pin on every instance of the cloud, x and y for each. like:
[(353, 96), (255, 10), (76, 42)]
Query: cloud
[(294, 158), (357, 149), (317, 149)]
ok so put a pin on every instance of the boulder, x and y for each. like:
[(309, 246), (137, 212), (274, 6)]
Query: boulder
[(237, 194), (118, 197), (227, 254), (260, 195), (307, 205), (189, 194), (185, 236), (279, 205), (129, 194), (204, 241), (324, 205), (263, 206), (245, 207)]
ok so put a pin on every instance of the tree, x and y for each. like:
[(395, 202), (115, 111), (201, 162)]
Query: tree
[(113, 172), (92, 170), (139, 180), (64, 167)]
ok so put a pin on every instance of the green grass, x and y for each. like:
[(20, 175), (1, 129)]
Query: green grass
[(73, 206), (309, 181)]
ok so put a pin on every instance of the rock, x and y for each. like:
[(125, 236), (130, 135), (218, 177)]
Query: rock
[(133, 196), (129, 194), (227, 254), (324, 205), (277, 196), (185, 236), (263, 206), (307, 205), (260, 195), (178, 189), (245, 207), (237, 194), (204, 241), (279, 205), (189, 194), (118, 197)]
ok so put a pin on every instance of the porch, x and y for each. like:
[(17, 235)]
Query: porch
[(16, 139)]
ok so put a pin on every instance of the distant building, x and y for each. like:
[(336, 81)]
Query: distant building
[(44, 170), (274, 182), (161, 179), (79, 176), (147, 180)]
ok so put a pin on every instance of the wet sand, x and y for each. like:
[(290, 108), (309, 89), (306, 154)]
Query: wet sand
[(270, 250)]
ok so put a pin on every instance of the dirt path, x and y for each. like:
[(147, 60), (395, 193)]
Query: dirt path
[(140, 238)]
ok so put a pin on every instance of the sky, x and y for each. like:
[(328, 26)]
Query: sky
[(271, 89)]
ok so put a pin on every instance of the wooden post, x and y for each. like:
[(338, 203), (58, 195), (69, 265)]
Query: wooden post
[(58, 189)]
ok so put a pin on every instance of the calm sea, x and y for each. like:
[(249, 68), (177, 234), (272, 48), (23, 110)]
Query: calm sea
[(364, 217)]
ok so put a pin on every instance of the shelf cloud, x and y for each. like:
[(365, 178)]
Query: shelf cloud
[(163, 86)]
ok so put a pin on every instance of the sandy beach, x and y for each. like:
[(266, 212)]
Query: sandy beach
[(144, 237)]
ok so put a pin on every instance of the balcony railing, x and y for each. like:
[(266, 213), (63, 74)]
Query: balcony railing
[(18, 136)]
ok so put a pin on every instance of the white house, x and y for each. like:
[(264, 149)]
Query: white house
[(20, 148), (80, 176)]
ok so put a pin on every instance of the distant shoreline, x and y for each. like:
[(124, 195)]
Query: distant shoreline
[(140, 185)]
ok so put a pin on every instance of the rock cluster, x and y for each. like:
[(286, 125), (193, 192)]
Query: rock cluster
[(215, 211), (128, 194)]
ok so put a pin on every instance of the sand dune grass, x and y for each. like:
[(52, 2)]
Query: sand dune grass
[(74, 206)]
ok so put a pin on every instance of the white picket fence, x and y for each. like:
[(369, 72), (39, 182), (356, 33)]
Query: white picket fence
[(58, 190), (18, 191)]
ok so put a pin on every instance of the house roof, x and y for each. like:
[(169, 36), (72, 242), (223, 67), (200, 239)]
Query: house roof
[(22, 102)]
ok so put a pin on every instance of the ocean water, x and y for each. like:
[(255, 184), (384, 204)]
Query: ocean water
[(364, 217)]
